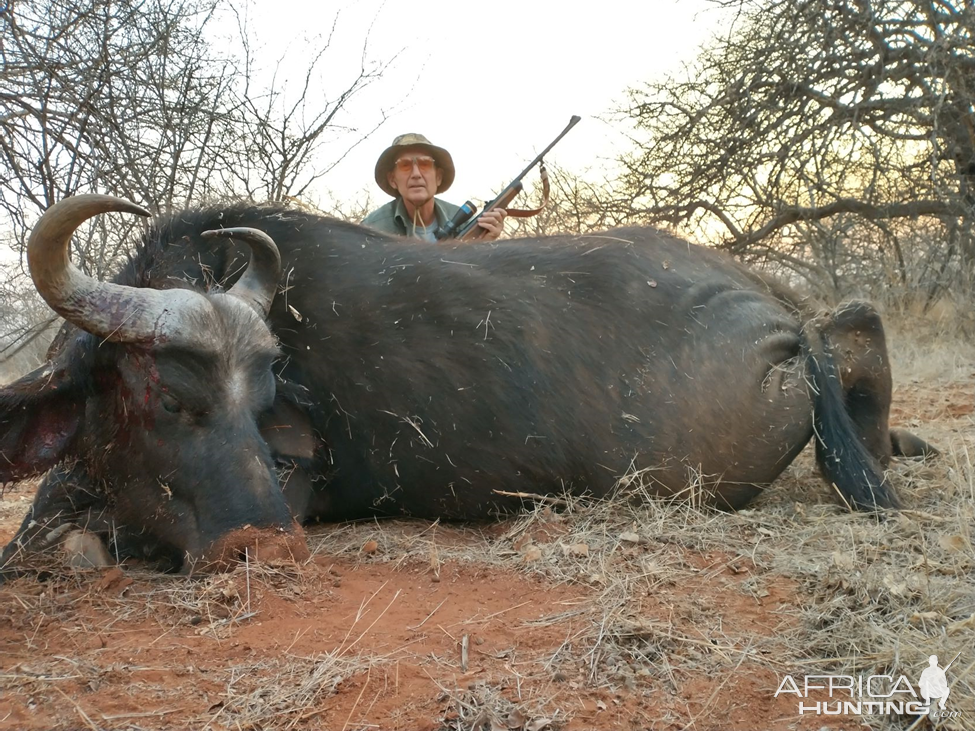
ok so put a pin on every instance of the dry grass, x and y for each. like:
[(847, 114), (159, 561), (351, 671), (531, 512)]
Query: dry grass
[(868, 596), (877, 597)]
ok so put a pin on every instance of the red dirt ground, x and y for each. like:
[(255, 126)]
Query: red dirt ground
[(368, 640), (118, 649)]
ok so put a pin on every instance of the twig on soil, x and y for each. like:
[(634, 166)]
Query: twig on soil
[(84, 716), (714, 693), (144, 714), (492, 616), (358, 698), (345, 649), (247, 574), (362, 606), (231, 620), (298, 636), (417, 626)]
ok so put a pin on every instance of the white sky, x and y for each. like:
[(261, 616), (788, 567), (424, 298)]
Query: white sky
[(493, 84)]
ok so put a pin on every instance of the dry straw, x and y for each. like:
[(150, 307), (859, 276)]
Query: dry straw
[(819, 589)]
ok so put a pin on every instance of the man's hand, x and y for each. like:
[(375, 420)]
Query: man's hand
[(493, 223)]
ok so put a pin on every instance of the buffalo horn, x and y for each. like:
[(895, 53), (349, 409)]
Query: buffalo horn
[(111, 311), (259, 282)]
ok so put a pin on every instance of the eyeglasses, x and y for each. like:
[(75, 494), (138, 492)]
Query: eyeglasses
[(405, 164)]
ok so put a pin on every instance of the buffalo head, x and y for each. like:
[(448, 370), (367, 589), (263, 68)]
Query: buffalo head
[(149, 413)]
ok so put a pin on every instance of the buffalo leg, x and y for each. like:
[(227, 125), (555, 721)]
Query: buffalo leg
[(859, 346), (906, 444), (64, 499)]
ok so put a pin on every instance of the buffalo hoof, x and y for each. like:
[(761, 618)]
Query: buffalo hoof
[(84, 550), (905, 444)]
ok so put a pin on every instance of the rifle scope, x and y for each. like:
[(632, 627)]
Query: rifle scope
[(460, 218)]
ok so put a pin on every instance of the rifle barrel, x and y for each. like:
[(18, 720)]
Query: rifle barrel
[(573, 121), (951, 663)]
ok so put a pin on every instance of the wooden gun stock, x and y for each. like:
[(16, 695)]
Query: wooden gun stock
[(476, 233)]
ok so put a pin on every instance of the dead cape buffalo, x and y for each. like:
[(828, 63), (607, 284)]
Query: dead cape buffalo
[(187, 412)]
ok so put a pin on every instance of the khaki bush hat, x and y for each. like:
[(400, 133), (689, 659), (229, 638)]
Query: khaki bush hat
[(385, 163)]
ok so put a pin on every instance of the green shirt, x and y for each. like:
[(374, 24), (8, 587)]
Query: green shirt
[(392, 218)]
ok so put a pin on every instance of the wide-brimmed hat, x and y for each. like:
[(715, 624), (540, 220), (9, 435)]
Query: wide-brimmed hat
[(411, 139)]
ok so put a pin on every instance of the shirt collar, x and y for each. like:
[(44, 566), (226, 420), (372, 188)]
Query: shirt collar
[(401, 214)]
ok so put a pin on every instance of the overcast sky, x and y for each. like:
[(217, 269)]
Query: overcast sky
[(494, 84)]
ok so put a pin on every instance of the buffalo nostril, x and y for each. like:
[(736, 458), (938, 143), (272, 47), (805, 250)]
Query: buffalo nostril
[(252, 545)]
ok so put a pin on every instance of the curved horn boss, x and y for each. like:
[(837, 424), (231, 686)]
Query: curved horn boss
[(258, 284), (111, 311)]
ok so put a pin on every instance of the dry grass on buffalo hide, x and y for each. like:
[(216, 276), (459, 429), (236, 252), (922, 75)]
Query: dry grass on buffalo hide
[(657, 615)]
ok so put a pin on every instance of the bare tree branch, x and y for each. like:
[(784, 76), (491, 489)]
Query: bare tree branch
[(132, 98), (807, 110)]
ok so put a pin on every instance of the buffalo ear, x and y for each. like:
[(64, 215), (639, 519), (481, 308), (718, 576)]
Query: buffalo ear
[(40, 416), (288, 430)]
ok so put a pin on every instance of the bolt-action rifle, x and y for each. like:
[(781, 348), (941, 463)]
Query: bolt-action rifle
[(463, 226)]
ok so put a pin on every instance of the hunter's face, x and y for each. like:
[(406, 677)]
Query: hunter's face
[(415, 176)]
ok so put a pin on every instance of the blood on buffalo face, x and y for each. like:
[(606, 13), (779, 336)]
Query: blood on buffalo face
[(187, 457)]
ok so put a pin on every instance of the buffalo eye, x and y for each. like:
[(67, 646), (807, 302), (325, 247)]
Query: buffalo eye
[(170, 403)]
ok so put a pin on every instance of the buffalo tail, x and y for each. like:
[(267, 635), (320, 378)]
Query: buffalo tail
[(843, 458)]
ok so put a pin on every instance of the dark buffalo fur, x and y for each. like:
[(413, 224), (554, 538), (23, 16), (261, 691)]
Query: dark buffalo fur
[(423, 379)]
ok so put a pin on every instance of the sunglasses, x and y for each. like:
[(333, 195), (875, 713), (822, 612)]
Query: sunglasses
[(405, 164)]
